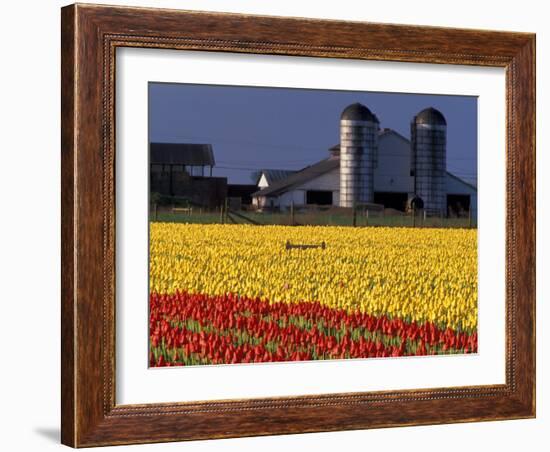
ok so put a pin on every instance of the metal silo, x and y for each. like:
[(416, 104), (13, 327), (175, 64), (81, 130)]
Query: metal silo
[(358, 153), (429, 159)]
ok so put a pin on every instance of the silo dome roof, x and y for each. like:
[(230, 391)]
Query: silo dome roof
[(358, 112), (430, 116)]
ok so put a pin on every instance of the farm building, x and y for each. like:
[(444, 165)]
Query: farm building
[(184, 171), (375, 166)]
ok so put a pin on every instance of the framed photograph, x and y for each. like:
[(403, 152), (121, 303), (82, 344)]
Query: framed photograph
[(282, 225)]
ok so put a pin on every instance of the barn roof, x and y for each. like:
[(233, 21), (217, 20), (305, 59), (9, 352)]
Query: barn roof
[(190, 154), (273, 175), (300, 177), (469, 184)]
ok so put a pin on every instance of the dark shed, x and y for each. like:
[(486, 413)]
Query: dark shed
[(187, 154)]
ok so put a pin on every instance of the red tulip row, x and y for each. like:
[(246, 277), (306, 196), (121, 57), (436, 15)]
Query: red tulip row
[(180, 346), (200, 329)]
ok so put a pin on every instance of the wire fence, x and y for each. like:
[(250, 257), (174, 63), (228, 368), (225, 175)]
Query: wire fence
[(309, 215)]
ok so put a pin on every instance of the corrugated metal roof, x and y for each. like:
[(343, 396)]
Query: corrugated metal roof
[(469, 184), (300, 177), (190, 154), (273, 175)]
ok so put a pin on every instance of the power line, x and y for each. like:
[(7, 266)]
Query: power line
[(380, 154), (248, 142), (289, 146), (236, 168)]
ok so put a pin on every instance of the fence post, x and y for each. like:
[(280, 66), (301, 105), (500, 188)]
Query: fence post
[(470, 218), (354, 214), (225, 210), (292, 213), (413, 211), (367, 217), (221, 214)]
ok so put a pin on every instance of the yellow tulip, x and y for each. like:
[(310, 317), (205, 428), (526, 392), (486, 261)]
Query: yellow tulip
[(415, 274)]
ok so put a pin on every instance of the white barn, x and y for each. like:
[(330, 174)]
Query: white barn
[(393, 180)]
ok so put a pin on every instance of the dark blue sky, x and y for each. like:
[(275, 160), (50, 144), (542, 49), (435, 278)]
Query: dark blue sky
[(284, 128)]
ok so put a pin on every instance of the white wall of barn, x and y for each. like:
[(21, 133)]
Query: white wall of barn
[(393, 172), (263, 183), (295, 196), (329, 181), (326, 182), (454, 186)]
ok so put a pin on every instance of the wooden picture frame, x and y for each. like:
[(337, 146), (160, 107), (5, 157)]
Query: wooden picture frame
[(90, 36)]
